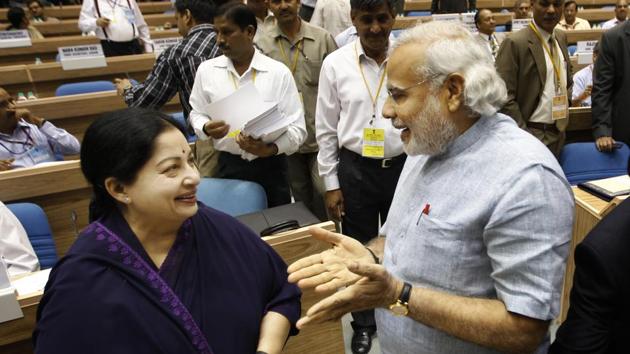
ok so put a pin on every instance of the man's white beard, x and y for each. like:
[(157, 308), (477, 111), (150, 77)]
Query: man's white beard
[(431, 132)]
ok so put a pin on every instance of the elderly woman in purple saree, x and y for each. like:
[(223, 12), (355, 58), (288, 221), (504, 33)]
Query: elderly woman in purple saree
[(158, 272)]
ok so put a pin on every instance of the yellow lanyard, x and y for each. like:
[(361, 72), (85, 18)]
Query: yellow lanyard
[(295, 56), (380, 84), (556, 66), (236, 83)]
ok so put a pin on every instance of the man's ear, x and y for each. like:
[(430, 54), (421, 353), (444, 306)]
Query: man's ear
[(251, 31), (454, 84), (116, 189)]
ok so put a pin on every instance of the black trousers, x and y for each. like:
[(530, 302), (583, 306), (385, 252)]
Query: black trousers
[(113, 49), (368, 189), (270, 172)]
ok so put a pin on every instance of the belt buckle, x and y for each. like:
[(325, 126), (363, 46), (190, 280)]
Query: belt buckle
[(386, 163)]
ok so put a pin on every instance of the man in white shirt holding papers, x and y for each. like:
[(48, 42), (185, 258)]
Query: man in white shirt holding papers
[(241, 156)]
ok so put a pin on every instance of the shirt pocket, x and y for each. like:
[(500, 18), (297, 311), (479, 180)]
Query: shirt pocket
[(312, 70), (433, 253)]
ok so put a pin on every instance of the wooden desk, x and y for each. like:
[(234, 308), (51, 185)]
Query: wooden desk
[(43, 79), (73, 11), (46, 49), (71, 27), (584, 35), (76, 112), (320, 339), (425, 5), (407, 22), (589, 210)]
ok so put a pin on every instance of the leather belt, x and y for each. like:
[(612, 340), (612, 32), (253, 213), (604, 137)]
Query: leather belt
[(543, 126), (381, 163)]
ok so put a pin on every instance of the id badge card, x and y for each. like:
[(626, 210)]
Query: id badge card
[(559, 106), (373, 143), (39, 155)]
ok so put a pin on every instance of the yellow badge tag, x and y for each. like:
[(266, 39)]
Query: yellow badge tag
[(559, 107), (233, 134), (373, 142)]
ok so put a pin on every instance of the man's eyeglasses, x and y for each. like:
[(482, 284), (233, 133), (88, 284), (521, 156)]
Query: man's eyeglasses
[(396, 93)]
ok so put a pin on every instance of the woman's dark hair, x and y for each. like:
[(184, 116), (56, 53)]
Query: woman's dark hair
[(238, 13), (118, 145), (201, 10), (16, 16)]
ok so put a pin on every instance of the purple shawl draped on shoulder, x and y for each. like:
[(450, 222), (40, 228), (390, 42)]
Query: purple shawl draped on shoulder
[(209, 296)]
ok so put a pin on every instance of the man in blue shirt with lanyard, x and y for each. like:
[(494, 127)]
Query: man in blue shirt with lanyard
[(26, 140)]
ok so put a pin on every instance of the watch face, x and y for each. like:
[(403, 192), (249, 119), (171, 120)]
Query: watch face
[(399, 309)]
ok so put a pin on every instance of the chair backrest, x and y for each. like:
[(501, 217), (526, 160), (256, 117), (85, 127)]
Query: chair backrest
[(35, 222), (231, 196), (582, 162), (179, 117), (572, 49), (84, 87)]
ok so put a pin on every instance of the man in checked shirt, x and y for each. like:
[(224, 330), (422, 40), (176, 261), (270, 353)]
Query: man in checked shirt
[(175, 69)]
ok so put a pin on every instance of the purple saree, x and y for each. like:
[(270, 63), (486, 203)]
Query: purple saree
[(210, 295)]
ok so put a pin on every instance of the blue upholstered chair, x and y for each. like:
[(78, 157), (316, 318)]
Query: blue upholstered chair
[(418, 13), (582, 162), (231, 196), (84, 87), (35, 222), (572, 49), (179, 117)]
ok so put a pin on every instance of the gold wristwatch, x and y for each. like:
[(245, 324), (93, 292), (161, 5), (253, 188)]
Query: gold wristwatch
[(401, 306)]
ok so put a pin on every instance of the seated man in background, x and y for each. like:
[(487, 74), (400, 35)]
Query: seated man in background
[(243, 157), (621, 14), (36, 9), (26, 140), (522, 9), (175, 69), (19, 21), (15, 247), (598, 320), (118, 24), (583, 83), (570, 20)]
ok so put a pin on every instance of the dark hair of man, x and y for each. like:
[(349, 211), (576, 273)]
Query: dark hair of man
[(238, 13), (569, 2), (201, 10), (32, 1), (477, 16), (16, 16), (367, 5), (118, 145)]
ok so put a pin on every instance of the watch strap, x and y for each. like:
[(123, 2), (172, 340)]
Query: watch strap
[(405, 294)]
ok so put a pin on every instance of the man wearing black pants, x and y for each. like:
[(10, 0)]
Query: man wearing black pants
[(120, 26), (360, 153), (242, 156)]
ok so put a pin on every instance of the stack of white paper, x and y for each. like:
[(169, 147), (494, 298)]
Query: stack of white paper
[(245, 111)]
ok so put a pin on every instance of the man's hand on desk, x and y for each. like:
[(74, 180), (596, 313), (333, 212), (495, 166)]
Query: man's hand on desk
[(256, 146), (122, 85), (216, 129), (6, 165)]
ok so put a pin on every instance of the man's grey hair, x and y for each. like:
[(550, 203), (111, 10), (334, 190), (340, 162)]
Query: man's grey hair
[(451, 48)]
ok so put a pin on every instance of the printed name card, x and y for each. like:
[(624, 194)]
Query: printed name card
[(446, 17), (162, 44), (468, 20), (586, 46), (15, 39), (520, 23), (82, 57)]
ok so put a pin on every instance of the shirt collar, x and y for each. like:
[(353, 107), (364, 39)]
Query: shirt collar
[(20, 124), (258, 63), (362, 54), (305, 32), (201, 27), (545, 35)]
